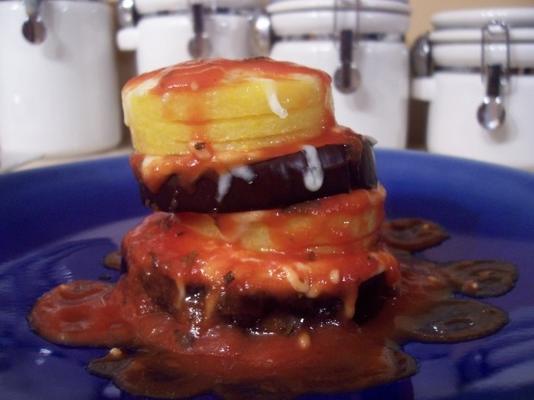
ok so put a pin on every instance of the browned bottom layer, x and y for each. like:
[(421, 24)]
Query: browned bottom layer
[(276, 352)]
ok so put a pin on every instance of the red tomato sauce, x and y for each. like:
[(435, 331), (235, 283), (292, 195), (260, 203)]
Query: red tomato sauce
[(189, 167), (170, 349), (205, 74)]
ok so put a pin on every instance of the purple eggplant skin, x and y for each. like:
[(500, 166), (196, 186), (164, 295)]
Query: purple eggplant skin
[(276, 183)]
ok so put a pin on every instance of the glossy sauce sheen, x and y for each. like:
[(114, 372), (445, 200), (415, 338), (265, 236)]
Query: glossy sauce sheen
[(196, 77), (303, 296), (200, 75), (167, 359), (190, 167), (338, 169)]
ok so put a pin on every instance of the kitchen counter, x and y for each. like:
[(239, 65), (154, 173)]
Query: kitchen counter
[(123, 149)]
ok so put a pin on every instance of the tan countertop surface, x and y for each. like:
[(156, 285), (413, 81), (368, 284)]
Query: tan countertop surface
[(123, 149)]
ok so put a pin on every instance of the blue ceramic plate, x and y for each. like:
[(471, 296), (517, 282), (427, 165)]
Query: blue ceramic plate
[(57, 224)]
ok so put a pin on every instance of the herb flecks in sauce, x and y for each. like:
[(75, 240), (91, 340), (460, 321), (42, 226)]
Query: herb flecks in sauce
[(174, 355)]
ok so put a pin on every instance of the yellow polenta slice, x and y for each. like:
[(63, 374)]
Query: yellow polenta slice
[(332, 221), (160, 138), (222, 101)]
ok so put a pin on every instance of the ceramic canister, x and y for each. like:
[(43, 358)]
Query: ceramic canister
[(361, 39), (167, 32), (480, 84), (59, 95)]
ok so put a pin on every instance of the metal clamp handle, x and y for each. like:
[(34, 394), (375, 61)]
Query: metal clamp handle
[(198, 19), (421, 56), (126, 13), (493, 80), (491, 114), (33, 28), (199, 45), (347, 77), (495, 32), (262, 34)]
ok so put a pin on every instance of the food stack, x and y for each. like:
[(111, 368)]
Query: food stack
[(262, 272), (264, 243), (273, 202)]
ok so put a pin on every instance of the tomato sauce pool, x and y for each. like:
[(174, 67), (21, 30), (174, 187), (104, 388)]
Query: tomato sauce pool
[(156, 354)]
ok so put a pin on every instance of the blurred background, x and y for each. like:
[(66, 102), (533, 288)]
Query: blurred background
[(454, 77), (422, 11)]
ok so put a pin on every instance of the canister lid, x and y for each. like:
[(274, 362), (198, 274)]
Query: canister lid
[(155, 6), (457, 39), (460, 36), (282, 6), (466, 26), (476, 18), (316, 17)]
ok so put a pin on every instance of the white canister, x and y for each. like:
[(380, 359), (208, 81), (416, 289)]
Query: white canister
[(481, 90), (308, 33), (170, 31), (61, 96)]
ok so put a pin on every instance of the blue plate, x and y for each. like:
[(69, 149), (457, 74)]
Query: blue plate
[(58, 223)]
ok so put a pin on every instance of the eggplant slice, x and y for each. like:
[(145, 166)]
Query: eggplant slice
[(275, 183)]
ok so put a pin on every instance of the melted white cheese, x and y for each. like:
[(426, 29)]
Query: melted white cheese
[(272, 99), (225, 181), (301, 286), (223, 185), (313, 175), (334, 276), (243, 172)]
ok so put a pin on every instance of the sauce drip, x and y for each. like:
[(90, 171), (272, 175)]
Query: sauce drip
[(313, 175), (164, 359), (190, 167)]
